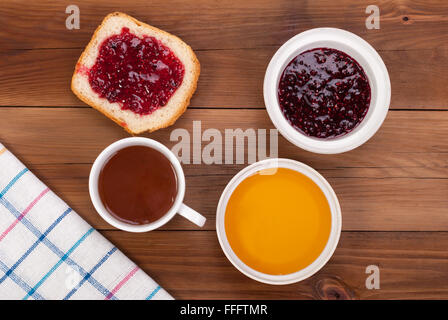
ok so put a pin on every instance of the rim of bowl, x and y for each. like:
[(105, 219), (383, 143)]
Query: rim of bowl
[(364, 54), (333, 239), (98, 165)]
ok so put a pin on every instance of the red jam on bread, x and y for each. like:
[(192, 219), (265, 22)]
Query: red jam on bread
[(324, 93), (141, 74)]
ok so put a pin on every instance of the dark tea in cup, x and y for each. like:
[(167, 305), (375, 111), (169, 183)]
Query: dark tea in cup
[(137, 185)]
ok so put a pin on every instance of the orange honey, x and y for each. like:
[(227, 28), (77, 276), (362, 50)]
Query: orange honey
[(278, 223)]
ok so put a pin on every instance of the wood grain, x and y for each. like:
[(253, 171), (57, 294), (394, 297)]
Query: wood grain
[(191, 265), (229, 24), (398, 181), (368, 203), (229, 78), (409, 144), (393, 190)]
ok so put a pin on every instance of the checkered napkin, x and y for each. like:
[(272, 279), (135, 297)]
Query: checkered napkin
[(48, 252)]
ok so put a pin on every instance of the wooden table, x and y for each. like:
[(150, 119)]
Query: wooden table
[(393, 190)]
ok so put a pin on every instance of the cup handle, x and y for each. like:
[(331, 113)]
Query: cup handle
[(192, 215)]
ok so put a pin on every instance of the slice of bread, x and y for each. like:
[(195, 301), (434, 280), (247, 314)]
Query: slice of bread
[(132, 122)]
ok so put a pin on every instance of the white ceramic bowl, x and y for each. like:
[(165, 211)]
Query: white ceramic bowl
[(336, 221), (355, 47)]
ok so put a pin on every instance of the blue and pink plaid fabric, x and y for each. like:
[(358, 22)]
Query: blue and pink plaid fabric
[(47, 251)]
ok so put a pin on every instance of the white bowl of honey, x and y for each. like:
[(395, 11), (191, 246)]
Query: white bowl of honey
[(278, 221)]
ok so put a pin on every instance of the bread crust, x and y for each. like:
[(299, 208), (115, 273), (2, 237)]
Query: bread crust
[(184, 103)]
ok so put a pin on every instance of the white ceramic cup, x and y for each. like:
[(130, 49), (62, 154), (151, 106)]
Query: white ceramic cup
[(355, 47), (177, 207), (336, 221)]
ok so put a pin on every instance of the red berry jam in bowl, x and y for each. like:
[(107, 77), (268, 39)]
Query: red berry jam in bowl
[(141, 74), (324, 93)]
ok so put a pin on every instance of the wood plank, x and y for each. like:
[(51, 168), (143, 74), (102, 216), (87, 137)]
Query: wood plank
[(390, 183), (229, 78), (368, 203), (412, 141), (228, 24), (191, 265)]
